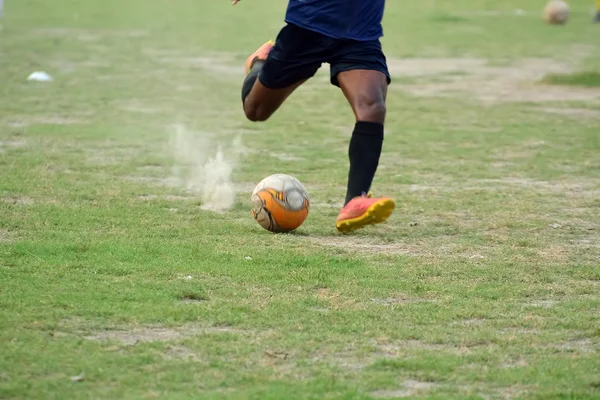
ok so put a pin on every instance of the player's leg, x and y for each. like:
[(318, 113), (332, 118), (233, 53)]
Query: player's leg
[(277, 68), (366, 91), (360, 70), (260, 102), (597, 17)]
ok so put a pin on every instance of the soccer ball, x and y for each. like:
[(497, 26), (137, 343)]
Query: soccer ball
[(280, 203), (556, 12)]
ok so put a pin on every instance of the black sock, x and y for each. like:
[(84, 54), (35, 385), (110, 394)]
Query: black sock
[(251, 78), (364, 151)]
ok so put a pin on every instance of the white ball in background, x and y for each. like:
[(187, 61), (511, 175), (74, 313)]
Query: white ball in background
[(556, 12)]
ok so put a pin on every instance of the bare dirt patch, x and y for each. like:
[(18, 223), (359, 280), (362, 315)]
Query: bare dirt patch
[(582, 188), (88, 35), (469, 322), (587, 242), (282, 365), (215, 63), (152, 168), (12, 144), (493, 13), (348, 359), (442, 246), (154, 181), (5, 236), (182, 352), (137, 106), (424, 67), (512, 392), (541, 303), (408, 388), (168, 197), (18, 200), (477, 79), (354, 358), (578, 346), (401, 300), (67, 66), (577, 113), (287, 157), (400, 348), (514, 363), (175, 182), (130, 337), (28, 120), (501, 393), (364, 245), (336, 300), (516, 332), (572, 188)]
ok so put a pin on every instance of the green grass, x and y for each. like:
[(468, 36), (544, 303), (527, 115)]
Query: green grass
[(588, 78), (483, 285)]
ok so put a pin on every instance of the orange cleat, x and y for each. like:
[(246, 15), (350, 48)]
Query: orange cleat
[(364, 210), (261, 54)]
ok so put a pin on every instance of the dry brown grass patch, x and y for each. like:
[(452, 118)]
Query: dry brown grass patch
[(18, 200), (576, 113), (5, 236), (28, 120), (132, 336), (364, 245), (409, 388), (477, 79), (218, 64), (336, 301)]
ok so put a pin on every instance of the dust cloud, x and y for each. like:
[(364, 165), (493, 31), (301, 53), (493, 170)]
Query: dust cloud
[(203, 167)]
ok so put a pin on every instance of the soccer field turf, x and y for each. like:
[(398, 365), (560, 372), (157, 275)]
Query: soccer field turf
[(117, 282)]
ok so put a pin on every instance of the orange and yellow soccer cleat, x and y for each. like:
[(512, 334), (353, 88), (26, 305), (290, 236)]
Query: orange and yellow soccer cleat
[(364, 210), (261, 54)]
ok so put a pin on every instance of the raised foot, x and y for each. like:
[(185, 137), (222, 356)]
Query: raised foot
[(259, 55)]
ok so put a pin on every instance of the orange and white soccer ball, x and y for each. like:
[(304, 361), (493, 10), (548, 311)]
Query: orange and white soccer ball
[(280, 203)]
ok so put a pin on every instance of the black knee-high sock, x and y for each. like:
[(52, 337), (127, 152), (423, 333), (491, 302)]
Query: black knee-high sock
[(364, 151), (251, 78)]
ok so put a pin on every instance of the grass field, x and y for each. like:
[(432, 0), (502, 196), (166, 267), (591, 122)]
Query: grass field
[(117, 282)]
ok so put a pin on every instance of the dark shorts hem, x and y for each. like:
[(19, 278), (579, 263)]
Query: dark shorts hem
[(298, 54), (335, 71), (272, 80)]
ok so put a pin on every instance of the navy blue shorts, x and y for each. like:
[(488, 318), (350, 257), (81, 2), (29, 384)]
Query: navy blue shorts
[(298, 54)]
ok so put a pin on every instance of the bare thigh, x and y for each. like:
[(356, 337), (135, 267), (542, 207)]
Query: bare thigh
[(262, 102)]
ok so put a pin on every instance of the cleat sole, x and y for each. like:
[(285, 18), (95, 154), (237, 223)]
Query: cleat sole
[(375, 214)]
